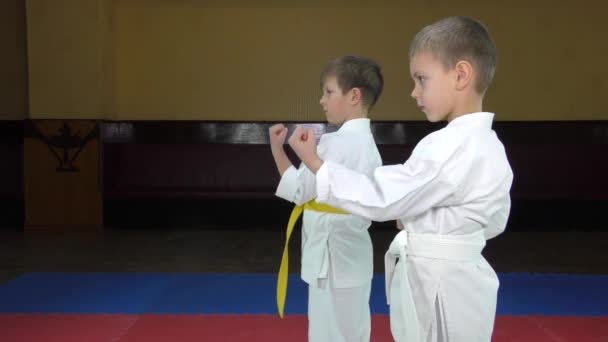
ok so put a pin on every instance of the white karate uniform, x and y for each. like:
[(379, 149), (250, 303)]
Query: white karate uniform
[(450, 196), (337, 255)]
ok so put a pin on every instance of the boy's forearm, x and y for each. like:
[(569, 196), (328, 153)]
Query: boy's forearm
[(314, 164), (280, 158)]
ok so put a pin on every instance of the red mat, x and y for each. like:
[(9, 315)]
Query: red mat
[(185, 328)]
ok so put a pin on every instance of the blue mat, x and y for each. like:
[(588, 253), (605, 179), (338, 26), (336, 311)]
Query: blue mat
[(179, 293)]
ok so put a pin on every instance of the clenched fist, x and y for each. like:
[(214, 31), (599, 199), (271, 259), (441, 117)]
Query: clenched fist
[(277, 134), (304, 144)]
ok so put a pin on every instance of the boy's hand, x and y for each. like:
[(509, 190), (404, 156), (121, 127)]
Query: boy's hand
[(304, 144), (277, 135)]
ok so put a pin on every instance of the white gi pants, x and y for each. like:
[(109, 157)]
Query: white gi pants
[(338, 314)]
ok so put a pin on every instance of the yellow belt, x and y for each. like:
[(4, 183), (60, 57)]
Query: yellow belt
[(295, 214)]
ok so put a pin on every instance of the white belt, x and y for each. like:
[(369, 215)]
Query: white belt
[(446, 247)]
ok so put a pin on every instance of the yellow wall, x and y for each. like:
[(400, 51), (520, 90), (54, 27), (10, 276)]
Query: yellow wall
[(68, 62), (260, 60), (13, 60)]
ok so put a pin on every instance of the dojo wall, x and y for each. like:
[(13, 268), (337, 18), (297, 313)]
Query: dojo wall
[(13, 60), (241, 60), (169, 93)]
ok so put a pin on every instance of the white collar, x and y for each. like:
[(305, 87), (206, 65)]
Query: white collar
[(483, 119), (356, 125)]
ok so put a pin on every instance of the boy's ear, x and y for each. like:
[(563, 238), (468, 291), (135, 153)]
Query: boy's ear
[(355, 95), (464, 75)]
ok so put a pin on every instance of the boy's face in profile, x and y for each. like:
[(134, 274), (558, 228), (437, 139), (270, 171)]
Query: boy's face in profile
[(434, 86), (334, 102)]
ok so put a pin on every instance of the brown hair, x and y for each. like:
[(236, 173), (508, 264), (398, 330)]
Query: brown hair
[(455, 39), (357, 72)]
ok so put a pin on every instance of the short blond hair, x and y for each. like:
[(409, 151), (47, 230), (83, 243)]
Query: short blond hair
[(454, 39)]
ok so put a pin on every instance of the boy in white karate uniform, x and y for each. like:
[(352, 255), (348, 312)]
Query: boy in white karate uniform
[(337, 255), (450, 195)]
